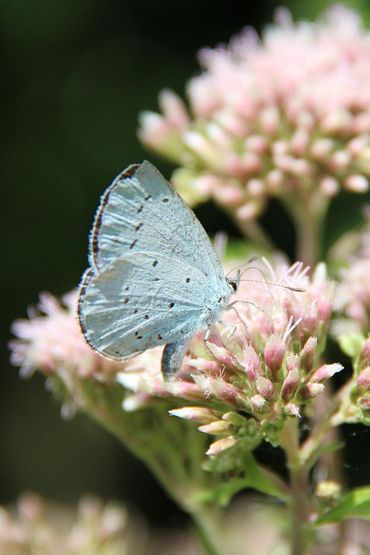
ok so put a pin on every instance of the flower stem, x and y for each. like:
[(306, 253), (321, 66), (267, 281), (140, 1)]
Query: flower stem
[(203, 529), (299, 487), (252, 230)]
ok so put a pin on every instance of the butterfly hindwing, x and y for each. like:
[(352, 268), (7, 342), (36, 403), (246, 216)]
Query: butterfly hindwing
[(132, 306)]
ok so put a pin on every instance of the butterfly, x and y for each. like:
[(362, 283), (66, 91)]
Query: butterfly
[(154, 276)]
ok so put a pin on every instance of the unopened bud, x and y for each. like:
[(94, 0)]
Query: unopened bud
[(216, 428), (290, 384), (308, 353), (274, 353), (291, 409), (365, 353), (329, 186), (356, 183), (292, 362), (234, 418), (221, 445), (363, 380), (251, 362), (265, 387), (197, 414), (326, 371), (311, 390), (321, 148), (222, 355), (258, 402)]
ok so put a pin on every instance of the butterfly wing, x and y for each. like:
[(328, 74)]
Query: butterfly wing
[(148, 252), (130, 306), (142, 212)]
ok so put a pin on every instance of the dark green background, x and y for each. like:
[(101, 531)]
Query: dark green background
[(74, 76)]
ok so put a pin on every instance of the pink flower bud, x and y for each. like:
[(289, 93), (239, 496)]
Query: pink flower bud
[(337, 122), (258, 402), (197, 414), (222, 355), (270, 120), (326, 371), (311, 390), (204, 365), (339, 160), (265, 387), (329, 186), (358, 144), (221, 445), (274, 353), (308, 353), (274, 180), (290, 384), (365, 353), (356, 183), (322, 148), (248, 211), (256, 144), (215, 428), (251, 362), (174, 109), (229, 195), (292, 362), (291, 409), (363, 380), (299, 142), (255, 187)]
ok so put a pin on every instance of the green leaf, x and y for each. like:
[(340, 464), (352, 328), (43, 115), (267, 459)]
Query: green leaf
[(355, 504), (256, 477), (351, 344)]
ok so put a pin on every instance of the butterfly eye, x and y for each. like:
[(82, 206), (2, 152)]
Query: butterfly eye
[(233, 285)]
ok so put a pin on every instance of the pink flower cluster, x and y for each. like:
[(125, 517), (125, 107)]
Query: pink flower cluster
[(353, 293), (51, 341), (36, 527), (287, 114), (258, 367)]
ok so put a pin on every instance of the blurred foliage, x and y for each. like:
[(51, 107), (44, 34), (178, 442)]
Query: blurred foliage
[(75, 75)]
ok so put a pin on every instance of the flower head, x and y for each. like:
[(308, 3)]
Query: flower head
[(285, 115), (258, 367), (51, 340), (36, 527)]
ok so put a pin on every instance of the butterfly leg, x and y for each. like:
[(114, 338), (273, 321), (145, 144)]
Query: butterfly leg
[(172, 358)]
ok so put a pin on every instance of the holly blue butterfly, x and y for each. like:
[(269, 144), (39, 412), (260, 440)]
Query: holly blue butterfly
[(154, 276)]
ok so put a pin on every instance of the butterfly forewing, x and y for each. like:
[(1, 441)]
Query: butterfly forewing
[(141, 210)]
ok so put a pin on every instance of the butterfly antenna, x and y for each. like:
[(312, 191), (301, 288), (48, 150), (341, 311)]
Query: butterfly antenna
[(273, 284)]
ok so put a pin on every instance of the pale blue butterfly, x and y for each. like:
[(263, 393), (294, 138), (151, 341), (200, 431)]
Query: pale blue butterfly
[(154, 276)]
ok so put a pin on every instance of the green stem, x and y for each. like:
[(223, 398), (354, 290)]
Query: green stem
[(205, 534), (299, 486), (252, 230)]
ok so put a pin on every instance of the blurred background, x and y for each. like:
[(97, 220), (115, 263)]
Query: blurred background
[(75, 75)]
